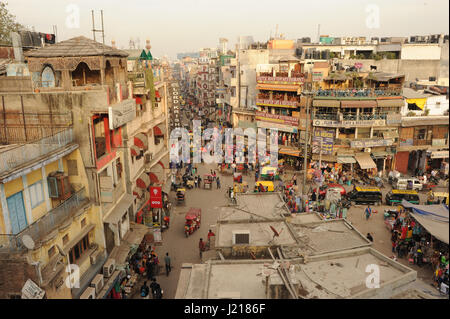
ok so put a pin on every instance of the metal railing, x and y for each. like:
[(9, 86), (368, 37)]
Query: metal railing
[(46, 224), (16, 156), (359, 92)]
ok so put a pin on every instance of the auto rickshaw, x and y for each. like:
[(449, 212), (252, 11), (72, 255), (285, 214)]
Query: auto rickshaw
[(207, 181), (269, 173), (180, 195), (437, 198), (264, 186), (193, 220)]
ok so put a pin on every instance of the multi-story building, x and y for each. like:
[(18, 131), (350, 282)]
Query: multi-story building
[(356, 118), (48, 219), (83, 83)]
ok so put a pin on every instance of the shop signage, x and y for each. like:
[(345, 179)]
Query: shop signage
[(279, 80), (121, 113), (275, 118), (279, 127), (361, 123), (317, 76), (406, 142), (32, 291), (440, 154), (323, 141), (155, 197), (371, 143), (276, 102)]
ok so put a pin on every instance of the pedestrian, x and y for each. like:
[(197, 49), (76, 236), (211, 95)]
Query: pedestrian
[(210, 234), (149, 268), (145, 291), (232, 196), (214, 175), (368, 212), (313, 197), (156, 289), (196, 182), (369, 237), (218, 182), (201, 247), (199, 182), (168, 264), (294, 179)]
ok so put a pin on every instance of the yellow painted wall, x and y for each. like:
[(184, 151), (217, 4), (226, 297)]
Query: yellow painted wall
[(39, 210), (13, 187), (52, 167), (2, 223), (34, 176)]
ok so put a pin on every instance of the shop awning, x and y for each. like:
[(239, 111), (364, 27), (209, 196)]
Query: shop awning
[(141, 141), (365, 161), (325, 158), (153, 178), (381, 154), (158, 131), (143, 181), (420, 103), (346, 160), (157, 94), (138, 192), (287, 151), (358, 104), (272, 87), (327, 103), (391, 103), (121, 209), (434, 218), (135, 151)]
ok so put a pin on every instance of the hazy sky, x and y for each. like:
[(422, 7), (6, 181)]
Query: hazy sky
[(175, 26)]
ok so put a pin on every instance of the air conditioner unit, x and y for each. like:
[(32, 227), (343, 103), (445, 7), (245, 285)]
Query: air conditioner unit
[(94, 257), (109, 267), (241, 237), (89, 293), (97, 283), (148, 157)]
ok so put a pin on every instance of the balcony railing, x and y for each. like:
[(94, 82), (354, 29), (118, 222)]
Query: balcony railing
[(28, 152), (276, 102), (359, 92), (46, 224), (349, 117)]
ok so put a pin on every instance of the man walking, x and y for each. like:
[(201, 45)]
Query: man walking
[(201, 247), (368, 212), (218, 182), (156, 289), (168, 265), (145, 291)]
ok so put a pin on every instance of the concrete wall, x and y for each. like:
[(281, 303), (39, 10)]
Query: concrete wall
[(418, 51), (15, 84), (443, 72)]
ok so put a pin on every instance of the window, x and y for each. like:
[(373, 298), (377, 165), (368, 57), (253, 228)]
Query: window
[(83, 222), (36, 194), (51, 252), (420, 134), (66, 239), (77, 251)]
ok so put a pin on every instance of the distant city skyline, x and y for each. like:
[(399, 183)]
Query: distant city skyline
[(175, 26)]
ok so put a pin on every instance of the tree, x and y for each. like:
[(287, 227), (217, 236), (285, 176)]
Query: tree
[(8, 24)]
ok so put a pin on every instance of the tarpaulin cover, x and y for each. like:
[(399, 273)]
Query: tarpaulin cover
[(434, 218), (419, 102)]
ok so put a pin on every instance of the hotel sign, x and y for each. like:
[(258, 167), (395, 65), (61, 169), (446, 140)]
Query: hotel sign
[(279, 127), (355, 123), (274, 118), (371, 143), (277, 102), (279, 80)]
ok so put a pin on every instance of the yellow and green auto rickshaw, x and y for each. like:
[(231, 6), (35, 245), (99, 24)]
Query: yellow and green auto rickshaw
[(269, 173), (264, 186)]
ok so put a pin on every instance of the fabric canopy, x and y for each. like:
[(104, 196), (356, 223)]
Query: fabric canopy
[(365, 161), (141, 141), (290, 152), (434, 218), (419, 102), (278, 87), (327, 103), (358, 104), (157, 131), (135, 151), (143, 181), (390, 103), (153, 178), (346, 160)]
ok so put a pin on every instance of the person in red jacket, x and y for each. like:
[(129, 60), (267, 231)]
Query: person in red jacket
[(201, 246)]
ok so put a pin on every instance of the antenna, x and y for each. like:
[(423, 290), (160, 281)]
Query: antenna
[(102, 30)]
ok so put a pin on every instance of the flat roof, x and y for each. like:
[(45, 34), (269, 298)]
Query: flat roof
[(255, 207), (304, 218), (324, 237), (331, 276), (260, 233)]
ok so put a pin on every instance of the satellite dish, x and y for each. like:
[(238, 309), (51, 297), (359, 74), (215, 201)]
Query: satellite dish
[(275, 232), (28, 242)]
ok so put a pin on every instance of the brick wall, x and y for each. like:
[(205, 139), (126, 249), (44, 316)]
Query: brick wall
[(14, 272)]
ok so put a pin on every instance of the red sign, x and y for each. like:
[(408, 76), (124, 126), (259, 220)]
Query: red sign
[(155, 197)]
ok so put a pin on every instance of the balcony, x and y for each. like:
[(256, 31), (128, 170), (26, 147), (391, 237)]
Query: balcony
[(358, 93), (46, 224), (280, 78), (16, 156)]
